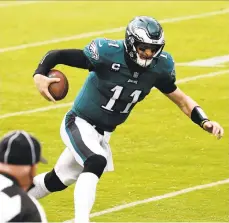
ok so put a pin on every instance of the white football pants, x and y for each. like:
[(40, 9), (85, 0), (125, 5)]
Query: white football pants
[(82, 141)]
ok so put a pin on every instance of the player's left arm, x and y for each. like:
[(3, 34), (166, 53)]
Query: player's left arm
[(167, 86), (195, 112)]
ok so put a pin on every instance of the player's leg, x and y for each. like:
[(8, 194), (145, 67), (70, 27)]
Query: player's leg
[(84, 141), (65, 172)]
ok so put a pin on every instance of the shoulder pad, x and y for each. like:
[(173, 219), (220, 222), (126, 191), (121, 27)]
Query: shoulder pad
[(167, 64), (99, 49)]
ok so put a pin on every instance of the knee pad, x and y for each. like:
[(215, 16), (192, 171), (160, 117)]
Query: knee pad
[(52, 182), (95, 164)]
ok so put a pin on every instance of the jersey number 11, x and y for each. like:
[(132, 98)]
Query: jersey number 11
[(117, 92)]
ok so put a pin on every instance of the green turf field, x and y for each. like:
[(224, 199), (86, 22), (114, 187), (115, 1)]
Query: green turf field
[(158, 150)]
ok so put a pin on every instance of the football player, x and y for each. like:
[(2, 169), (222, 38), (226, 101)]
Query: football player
[(121, 74)]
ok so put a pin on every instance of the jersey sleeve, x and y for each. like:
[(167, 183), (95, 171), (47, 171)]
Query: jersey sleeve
[(166, 81), (94, 51)]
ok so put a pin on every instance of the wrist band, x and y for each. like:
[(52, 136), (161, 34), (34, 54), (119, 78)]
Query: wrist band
[(198, 116)]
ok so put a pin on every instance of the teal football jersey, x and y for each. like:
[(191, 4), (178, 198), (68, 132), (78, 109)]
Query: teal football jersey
[(111, 90)]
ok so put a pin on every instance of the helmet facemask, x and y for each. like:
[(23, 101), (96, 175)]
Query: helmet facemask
[(145, 47)]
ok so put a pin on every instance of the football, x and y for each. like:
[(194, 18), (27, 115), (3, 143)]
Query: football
[(58, 89)]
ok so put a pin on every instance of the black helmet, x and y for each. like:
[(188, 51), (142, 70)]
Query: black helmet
[(146, 30)]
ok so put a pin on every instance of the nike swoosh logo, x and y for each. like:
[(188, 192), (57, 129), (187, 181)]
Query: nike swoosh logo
[(162, 55)]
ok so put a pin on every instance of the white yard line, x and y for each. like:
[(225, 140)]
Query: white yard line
[(157, 198), (201, 76), (63, 105), (5, 5), (42, 109), (209, 62), (102, 32)]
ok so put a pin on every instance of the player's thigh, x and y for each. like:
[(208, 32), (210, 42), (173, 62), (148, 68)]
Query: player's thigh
[(106, 146), (67, 169), (81, 138)]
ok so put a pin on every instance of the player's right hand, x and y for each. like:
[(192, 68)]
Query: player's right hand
[(42, 83)]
